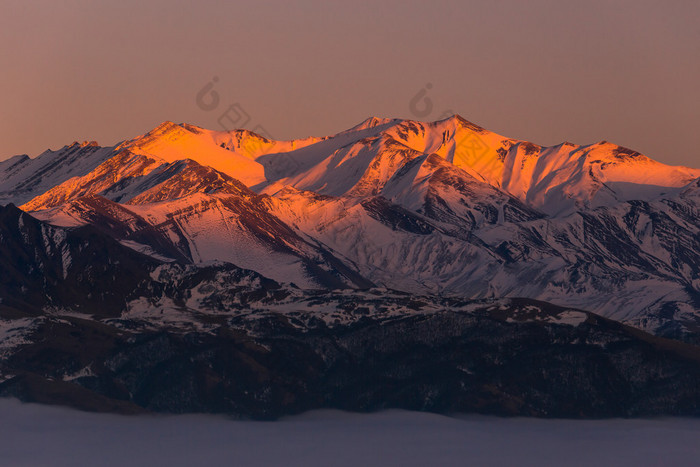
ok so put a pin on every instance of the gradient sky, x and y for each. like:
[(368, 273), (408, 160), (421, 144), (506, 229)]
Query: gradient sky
[(545, 71)]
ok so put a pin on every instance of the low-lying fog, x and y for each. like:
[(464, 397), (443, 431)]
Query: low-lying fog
[(33, 435)]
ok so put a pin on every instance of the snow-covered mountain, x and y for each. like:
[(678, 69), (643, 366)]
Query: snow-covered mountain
[(23, 178), (153, 270), (444, 208)]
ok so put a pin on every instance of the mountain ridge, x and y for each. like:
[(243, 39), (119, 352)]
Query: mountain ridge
[(440, 207)]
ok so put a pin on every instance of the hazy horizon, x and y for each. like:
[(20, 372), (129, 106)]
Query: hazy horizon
[(542, 71)]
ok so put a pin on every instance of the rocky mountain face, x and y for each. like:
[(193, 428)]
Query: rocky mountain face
[(432, 266)]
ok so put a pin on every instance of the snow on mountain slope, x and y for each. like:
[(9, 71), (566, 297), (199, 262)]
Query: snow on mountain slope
[(426, 184), (142, 163), (356, 170), (620, 261), (194, 178), (638, 262), (22, 178), (380, 148), (238, 229), (127, 176), (468, 146), (215, 231), (114, 175), (230, 226), (171, 143), (600, 174), (445, 193), (557, 179), (283, 165), (120, 223), (390, 245), (248, 143), (691, 192)]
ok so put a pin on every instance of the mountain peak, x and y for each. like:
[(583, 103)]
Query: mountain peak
[(166, 125), (372, 122), (463, 122)]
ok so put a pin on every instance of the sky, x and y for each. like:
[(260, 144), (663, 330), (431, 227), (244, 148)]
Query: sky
[(539, 70)]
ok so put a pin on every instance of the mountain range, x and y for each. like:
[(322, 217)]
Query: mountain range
[(196, 270)]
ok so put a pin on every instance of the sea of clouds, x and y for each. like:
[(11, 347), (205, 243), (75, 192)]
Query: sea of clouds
[(34, 435)]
